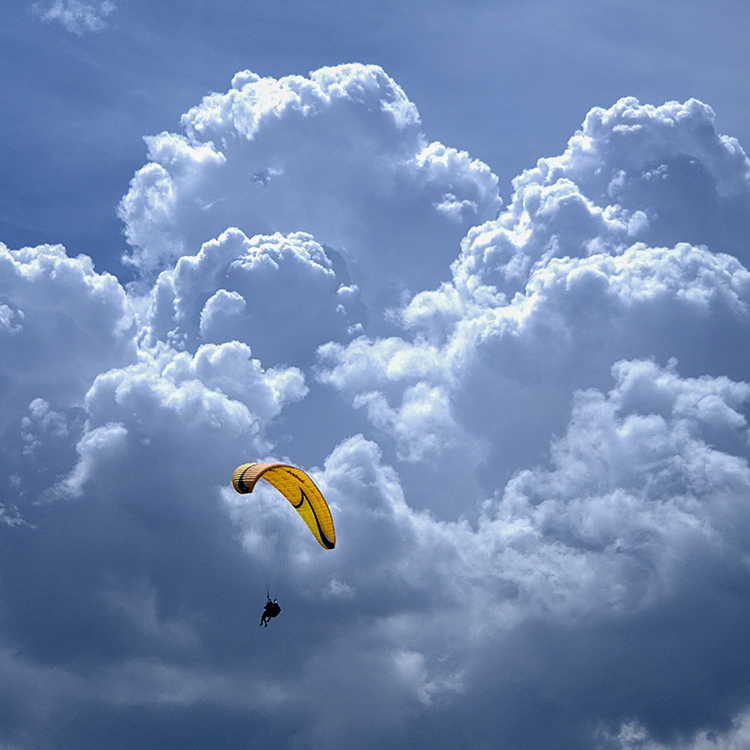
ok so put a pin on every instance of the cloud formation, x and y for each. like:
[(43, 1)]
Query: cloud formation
[(61, 324), (534, 439), (76, 16), (561, 285), (340, 155)]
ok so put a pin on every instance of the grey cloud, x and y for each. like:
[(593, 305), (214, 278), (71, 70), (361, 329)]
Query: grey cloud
[(576, 590), (545, 548), (64, 324), (547, 296)]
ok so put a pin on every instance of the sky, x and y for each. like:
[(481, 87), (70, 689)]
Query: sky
[(480, 269)]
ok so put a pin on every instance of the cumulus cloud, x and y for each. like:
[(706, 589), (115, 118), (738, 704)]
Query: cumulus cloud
[(75, 16), (340, 155), (534, 439), (602, 549), (547, 296), (61, 324), (281, 294)]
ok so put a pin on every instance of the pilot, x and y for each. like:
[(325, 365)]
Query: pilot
[(271, 609)]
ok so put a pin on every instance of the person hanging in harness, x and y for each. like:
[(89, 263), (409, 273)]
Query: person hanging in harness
[(271, 609)]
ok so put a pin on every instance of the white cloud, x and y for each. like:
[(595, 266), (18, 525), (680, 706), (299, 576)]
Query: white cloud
[(339, 155), (75, 16), (667, 162), (219, 389), (633, 736), (65, 324), (280, 294), (547, 296)]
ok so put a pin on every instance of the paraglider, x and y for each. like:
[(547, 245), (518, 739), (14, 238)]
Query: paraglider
[(302, 494)]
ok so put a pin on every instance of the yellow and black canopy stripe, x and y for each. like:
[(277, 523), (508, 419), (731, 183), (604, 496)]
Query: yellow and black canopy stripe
[(298, 489)]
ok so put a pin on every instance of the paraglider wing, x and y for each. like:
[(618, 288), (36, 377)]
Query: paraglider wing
[(298, 489)]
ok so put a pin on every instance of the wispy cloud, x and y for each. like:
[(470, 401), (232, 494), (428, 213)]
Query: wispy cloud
[(76, 16)]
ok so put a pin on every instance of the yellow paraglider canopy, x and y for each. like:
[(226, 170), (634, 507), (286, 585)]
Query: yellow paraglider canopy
[(298, 489)]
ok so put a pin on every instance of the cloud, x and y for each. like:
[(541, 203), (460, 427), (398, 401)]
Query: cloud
[(339, 155), (632, 735), (630, 545), (547, 296), (283, 293), (61, 324), (534, 439), (75, 16)]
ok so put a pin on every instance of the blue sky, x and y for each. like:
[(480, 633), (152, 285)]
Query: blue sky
[(479, 268)]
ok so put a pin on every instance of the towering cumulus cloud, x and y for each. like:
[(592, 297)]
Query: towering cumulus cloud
[(530, 424), (340, 155)]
